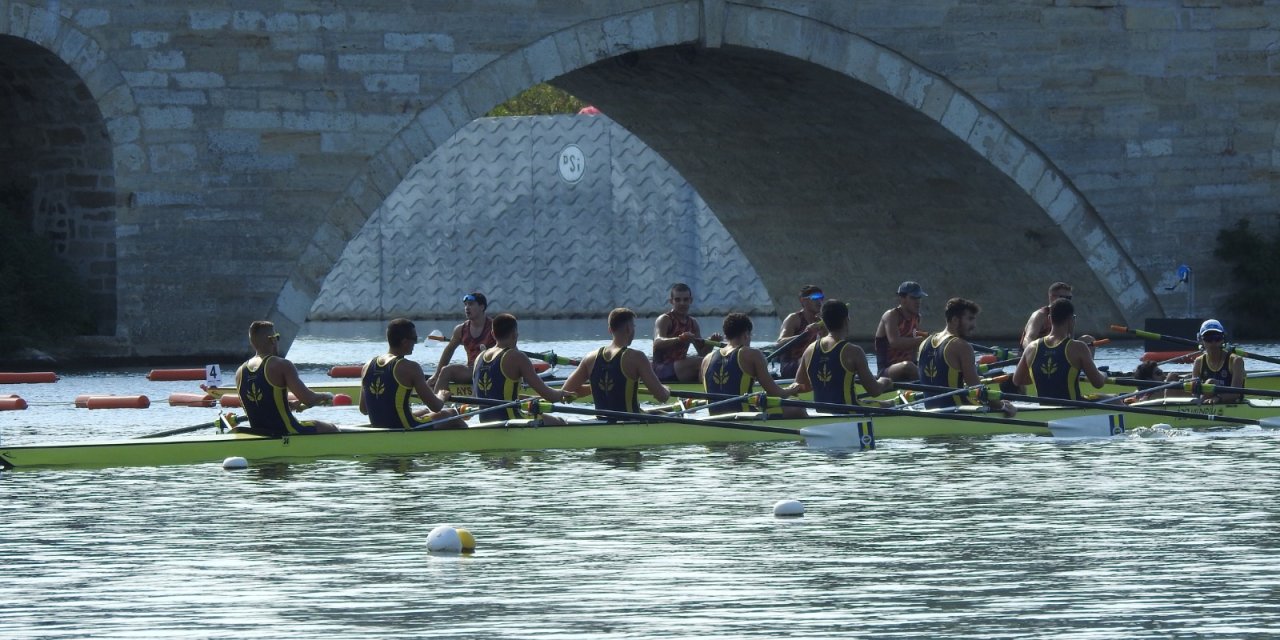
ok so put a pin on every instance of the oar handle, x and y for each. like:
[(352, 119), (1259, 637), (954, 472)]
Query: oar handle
[(1245, 354), (1085, 404), (786, 346), (863, 411), (1153, 336)]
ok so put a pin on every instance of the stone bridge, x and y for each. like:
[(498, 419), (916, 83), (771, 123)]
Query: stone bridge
[(205, 163)]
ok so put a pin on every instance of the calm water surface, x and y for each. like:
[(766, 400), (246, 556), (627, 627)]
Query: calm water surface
[(1150, 535)]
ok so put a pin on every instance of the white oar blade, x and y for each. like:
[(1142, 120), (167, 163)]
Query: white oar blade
[(850, 434), (1269, 423), (1103, 425)]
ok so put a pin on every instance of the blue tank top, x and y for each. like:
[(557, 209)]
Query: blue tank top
[(725, 375), (935, 371), (1052, 372), (488, 381), (387, 401), (265, 404), (611, 389), (831, 381)]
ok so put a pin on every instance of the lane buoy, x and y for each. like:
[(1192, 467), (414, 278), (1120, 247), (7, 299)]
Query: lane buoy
[(180, 399), (12, 403), (341, 400), (788, 508), (444, 539), (28, 377), (230, 400), (157, 375), (345, 371), (1182, 357), (235, 462), (117, 402)]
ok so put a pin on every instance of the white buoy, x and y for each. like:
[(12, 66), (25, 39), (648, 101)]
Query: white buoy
[(788, 508), (444, 538), (235, 462)]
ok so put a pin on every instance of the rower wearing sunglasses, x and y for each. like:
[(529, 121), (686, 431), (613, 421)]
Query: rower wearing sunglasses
[(1216, 366), (264, 383), (804, 321), (475, 335)]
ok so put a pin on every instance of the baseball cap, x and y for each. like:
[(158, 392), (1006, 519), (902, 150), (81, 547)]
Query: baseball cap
[(1211, 326), (911, 288)]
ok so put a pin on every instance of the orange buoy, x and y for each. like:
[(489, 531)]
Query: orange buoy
[(341, 400), (176, 374), (346, 371), (540, 366), (230, 400), (986, 358), (28, 377), (117, 402), (12, 403), (1170, 356), (179, 399), (82, 400)]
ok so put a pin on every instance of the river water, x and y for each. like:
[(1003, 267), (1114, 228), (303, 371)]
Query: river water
[(1170, 536)]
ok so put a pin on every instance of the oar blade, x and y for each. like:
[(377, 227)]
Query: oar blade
[(436, 334), (847, 434), (1100, 425), (1269, 423)]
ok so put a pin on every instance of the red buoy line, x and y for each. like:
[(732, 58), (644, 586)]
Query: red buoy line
[(27, 377)]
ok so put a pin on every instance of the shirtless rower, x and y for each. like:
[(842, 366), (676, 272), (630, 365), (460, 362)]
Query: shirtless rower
[(1054, 363), (475, 335), (673, 332), (616, 371), (805, 321), (946, 358), (264, 383), (898, 337)]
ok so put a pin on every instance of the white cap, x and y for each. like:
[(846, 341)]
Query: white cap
[(1210, 326)]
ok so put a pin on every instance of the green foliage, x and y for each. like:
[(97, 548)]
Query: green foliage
[(42, 298), (538, 100), (1254, 260)]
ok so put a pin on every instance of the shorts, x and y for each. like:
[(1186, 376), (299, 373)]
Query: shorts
[(666, 371), (789, 368)]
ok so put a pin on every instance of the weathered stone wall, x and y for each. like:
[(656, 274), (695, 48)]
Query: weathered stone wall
[(987, 150), (491, 207)]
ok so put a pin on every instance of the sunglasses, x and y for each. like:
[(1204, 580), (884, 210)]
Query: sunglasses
[(1066, 297), (816, 296), (1211, 337), (469, 298)]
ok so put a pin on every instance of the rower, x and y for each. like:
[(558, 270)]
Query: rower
[(1216, 366), (475, 334), (946, 358), (898, 336), (388, 381), (735, 368), (616, 370), (264, 383), (673, 332), (1040, 324), (1054, 363), (500, 369), (803, 321), (830, 365)]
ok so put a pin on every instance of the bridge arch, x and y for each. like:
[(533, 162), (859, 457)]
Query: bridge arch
[(62, 104), (964, 144)]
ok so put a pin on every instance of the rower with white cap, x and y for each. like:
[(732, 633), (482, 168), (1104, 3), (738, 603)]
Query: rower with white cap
[(1216, 365)]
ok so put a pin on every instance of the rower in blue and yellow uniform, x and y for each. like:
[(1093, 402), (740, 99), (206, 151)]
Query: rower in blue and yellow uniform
[(1216, 365), (264, 382), (616, 371), (946, 358), (832, 364), (1054, 362), (500, 370), (734, 369), (388, 382)]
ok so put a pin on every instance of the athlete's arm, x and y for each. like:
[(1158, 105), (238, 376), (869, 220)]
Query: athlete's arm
[(802, 374), (1082, 358), (285, 369), (577, 381), (638, 367), (855, 359)]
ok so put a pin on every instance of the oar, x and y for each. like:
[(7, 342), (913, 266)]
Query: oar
[(545, 356), (1273, 423), (1249, 354), (1209, 387), (983, 368), (1001, 353), (194, 427), (842, 435), (1160, 387), (1089, 426), (782, 348), (1154, 336)]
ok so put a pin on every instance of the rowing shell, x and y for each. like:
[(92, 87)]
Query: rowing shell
[(521, 435)]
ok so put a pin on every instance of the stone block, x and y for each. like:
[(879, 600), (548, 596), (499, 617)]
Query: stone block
[(199, 80), (319, 121), (465, 63), (167, 60), (371, 62), (314, 62), (169, 96), (1150, 18), (960, 116), (392, 83), (44, 27), (208, 20), (284, 22), (241, 119), (248, 21), (129, 157), (91, 18), (148, 39), (167, 117), (169, 158), (146, 78)]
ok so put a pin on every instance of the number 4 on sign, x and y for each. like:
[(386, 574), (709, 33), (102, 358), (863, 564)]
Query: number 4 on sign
[(212, 375)]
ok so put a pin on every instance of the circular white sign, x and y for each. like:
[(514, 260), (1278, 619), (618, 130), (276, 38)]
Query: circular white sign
[(572, 163)]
